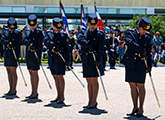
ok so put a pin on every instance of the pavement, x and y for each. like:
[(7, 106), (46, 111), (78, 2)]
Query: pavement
[(118, 104)]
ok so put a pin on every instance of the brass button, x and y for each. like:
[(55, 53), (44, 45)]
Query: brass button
[(13, 39), (58, 41), (135, 58), (29, 40), (88, 40), (86, 53), (127, 57), (33, 38), (94, 39), (144, 44), (135, 53), (6, 48)]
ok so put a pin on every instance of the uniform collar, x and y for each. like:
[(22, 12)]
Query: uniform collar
[(32, 30), (93, 30), (137, 31), (56, 32)]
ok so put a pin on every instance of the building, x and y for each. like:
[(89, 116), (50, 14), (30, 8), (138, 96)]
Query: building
[(112, 11)]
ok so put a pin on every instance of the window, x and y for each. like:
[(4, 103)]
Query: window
[(69, 10), (126, 11), (112, 11), (5, 9), (104, 11), (53, 10), (40, 10), (78, 10), (139, 11), (19, 9)]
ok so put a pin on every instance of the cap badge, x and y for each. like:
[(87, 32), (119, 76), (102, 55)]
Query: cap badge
[(12, 26), (59, 25), (93, 21), (32, 22)]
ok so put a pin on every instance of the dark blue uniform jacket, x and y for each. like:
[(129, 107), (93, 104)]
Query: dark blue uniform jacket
[(96, 39), (61, 40), (136, 44), (36, 37), (15, 38)]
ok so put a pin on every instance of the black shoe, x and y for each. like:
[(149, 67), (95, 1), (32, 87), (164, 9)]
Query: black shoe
[(28, 96), (92, 107), (85, 106), (56, 100), (139, 115), (7, 93), (133, 113), (11, 94), (35, 97), (60, 102)]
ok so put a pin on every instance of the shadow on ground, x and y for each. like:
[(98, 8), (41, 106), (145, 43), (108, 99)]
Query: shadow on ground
[(9, 97), (95, 111), (32, 100), (141, 118), (55, 105)]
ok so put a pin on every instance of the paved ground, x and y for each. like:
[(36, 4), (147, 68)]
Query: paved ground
[(119, 103)]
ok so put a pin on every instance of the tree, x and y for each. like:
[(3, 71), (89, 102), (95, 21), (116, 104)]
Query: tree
[(157, 22)]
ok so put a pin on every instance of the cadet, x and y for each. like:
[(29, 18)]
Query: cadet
[(139, 47), (56, 42), (71, 44), (104, 57), (92, 41), (11, 38), (33, 39), (112, 43)]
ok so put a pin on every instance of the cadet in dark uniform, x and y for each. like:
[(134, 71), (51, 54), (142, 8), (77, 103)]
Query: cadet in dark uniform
[(104, 57), (57, 42), (111, 45), (139, 47), (92, 40), (71, 44), (33, 39), (11, 38)]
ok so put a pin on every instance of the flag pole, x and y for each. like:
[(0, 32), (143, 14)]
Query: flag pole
[(81, 13), (60, 9), (95, 6)]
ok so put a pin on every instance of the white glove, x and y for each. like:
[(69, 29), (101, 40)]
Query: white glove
[(112, 50), (113, 44)]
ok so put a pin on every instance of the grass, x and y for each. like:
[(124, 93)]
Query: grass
[(45, 60)]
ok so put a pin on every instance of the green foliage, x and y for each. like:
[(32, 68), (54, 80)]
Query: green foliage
[(157, 22)]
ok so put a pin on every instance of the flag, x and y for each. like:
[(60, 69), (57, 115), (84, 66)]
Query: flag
[(64, 19), (83, 19), (100, 22)]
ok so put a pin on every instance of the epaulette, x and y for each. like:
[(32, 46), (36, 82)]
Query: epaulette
[(17, 31), (101, 31), (40, 30), (147, 33), (27, 30), (6, 29)]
